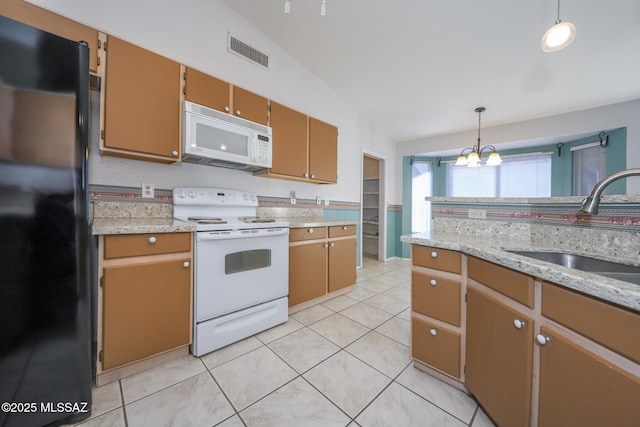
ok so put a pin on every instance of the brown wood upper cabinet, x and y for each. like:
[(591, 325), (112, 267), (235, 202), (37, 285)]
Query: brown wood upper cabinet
[(53, 23), (214, 93), (304, 149), (142, 104)]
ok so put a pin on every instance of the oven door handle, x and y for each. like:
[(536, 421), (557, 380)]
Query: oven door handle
[(241, 234)]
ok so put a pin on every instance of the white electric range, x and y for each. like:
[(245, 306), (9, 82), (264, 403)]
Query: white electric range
[(241, 265)]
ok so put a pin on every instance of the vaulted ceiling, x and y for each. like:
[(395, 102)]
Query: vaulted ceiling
[(417, 68)]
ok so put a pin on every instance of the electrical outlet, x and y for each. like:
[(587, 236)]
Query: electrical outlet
[(318, 200), (478, 213), (147, 191), (292, 196), (326, 202)]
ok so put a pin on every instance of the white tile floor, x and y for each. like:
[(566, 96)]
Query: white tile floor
[(344, 362)]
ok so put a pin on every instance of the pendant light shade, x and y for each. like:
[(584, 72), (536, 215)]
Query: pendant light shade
[(559, 36)]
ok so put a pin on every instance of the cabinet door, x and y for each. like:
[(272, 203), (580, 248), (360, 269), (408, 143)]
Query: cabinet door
[(53, 23), (249, 106), (289, 129), (206, 90), (307, 272), (142, 113), (342, 264), (499, 359), (579, 388), (146, 310), (435, 346), (323, 151)]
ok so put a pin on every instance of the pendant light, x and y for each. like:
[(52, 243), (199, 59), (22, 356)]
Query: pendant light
[(559, 36), (474, 157), (287, 7), (323, 8)]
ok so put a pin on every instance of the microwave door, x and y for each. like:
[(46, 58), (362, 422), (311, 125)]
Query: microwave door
[(220, 140)]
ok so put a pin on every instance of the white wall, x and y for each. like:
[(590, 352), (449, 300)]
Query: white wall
[(594, 120), (194, 33)]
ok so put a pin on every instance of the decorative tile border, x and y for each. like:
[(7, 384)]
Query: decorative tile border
[(127, 194), (283, 202), (612, 216)]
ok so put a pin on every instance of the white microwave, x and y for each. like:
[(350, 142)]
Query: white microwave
[(214, 138)]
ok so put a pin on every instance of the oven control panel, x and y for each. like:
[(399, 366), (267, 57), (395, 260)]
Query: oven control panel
[(210, 196)]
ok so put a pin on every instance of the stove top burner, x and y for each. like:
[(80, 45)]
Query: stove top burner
[(255, 219), (206, 220)]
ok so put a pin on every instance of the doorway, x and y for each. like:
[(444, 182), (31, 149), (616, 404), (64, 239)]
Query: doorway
[(373, 212)]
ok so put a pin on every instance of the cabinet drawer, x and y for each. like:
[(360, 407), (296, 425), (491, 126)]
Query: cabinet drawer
[(439, 259), (126, 245), (436, 297), (309, 233), (508, 282), (613, 327), (342, 230), (436, 347)]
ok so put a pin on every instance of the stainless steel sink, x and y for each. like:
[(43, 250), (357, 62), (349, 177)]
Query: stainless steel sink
[(614, 270)]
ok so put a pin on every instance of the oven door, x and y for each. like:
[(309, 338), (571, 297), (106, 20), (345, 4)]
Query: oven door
[(239, 269)]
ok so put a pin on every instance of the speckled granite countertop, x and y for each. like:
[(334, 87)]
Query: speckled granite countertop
[(495, 250), (103, 226)]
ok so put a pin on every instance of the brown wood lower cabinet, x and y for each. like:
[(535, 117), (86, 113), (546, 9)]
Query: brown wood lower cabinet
[(321, 260), (307, 272), (144, 302), (499, 359), (437, 347), (578, 388), (146, 310)]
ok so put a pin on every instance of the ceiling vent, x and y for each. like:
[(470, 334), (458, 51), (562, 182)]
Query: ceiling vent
[(246, 51)]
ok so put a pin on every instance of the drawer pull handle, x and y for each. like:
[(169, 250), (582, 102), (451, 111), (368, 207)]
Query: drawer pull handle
[(434, 254), (186, 264), (542, 340), (433, 332), (310, 230), (152, 240), (519, 324), (433, 282)]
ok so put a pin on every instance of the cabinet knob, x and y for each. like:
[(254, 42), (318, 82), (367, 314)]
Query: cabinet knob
[(433, 332), (542, 340), (325, 245), (306, 175), (434, 254), (433, 282), (186, 264), (310, 230), (227, 109), (152, 240), (333, 245), (519, 324), (174, 153), (238, 113), (313, 176), (344, 227)]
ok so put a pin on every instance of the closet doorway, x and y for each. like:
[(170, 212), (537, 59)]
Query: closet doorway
[(374, 215)]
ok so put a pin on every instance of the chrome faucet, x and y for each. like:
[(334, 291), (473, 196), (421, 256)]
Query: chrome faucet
[(590, 204)]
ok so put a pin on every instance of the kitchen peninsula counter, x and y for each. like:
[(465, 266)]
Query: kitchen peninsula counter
[(496, 250)]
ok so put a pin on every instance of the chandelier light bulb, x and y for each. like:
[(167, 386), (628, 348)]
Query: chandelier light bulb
[(323, 8), (287, 6)]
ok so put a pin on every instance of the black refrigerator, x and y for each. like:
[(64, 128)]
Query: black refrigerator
[(45, 293)]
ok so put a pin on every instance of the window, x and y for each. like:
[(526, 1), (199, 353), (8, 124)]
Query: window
[(420, 188), (518, 176), (589, 167)]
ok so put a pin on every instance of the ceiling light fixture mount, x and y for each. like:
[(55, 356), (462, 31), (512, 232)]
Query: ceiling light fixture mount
[(474, 157), (323, 7), (559, 36)]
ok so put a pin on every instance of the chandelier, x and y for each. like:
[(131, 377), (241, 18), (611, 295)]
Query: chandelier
[(474, 157)]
